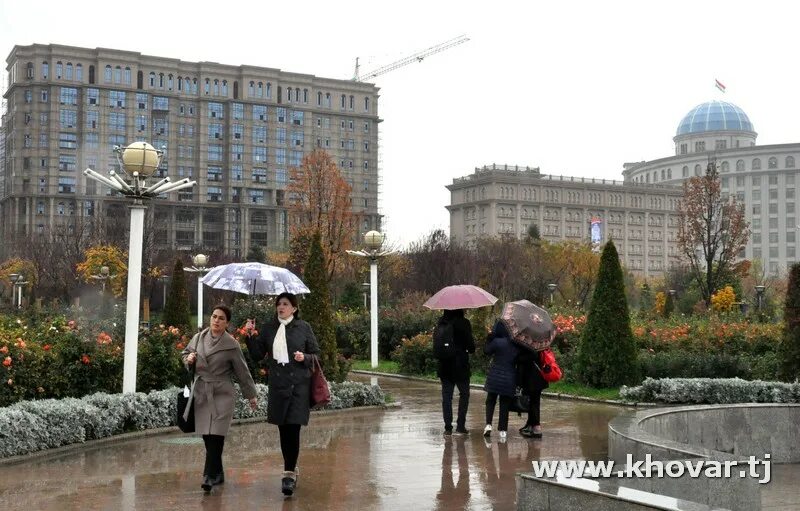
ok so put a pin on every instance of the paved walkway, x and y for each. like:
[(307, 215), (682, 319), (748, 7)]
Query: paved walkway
[(359, 460)]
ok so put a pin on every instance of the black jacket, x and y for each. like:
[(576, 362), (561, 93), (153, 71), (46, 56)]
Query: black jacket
[(288, 401), (528, 375), (458, 369)]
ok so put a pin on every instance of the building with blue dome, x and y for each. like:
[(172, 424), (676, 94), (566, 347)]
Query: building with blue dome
[(763, 178), (641, 213)]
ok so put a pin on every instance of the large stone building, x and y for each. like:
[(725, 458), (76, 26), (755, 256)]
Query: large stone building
[(642, 219), (236, 130), (762, 177), (640, 212)]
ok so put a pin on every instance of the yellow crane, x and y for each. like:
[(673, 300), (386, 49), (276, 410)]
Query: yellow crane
[(416, 57)]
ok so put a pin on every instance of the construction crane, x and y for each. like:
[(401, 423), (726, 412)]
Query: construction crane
[(417, 57)]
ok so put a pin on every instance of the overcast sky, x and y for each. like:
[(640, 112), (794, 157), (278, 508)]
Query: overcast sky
[(573, 87)]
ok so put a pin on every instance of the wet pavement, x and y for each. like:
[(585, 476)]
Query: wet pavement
[(355, 460)]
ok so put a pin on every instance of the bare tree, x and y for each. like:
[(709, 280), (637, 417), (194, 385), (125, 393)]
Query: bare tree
[(712, 230)]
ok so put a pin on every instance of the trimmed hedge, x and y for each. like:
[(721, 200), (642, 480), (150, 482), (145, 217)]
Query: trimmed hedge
[(712, 391), (31, 426)]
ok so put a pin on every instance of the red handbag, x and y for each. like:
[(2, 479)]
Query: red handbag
[(320, 393), (549, 369)]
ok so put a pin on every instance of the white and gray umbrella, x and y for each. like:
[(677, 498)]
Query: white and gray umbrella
[(254, 279)]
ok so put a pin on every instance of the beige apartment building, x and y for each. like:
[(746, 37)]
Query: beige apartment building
[(640, 213), (642, 219), (236, 130)]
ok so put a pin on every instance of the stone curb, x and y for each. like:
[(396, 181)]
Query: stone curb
[(552, 395), (111, 440)]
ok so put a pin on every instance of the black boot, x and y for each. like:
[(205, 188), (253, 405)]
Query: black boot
[(207, 483), (220, 479), (288, 483)]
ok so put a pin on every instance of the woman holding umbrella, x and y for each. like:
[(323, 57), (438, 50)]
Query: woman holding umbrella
[(532, 329), (532, 383), (290, 346)]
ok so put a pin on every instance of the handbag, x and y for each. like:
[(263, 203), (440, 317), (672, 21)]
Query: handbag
[(320, 393), (184, 395), (549, 368), (520, 402), (187, 426)]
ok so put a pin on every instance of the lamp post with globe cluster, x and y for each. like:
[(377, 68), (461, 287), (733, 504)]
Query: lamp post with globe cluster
[(199, 263), (373, 241), (140, 160)]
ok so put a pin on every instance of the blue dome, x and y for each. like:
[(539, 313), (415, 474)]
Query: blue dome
[(714, 116)]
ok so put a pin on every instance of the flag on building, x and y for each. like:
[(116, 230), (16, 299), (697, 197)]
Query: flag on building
[(720, 85)]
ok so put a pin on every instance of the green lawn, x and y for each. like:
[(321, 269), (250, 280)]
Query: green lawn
[(573, 389)]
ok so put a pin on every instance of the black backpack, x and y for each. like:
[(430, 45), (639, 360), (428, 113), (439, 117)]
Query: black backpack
[(444, 345)]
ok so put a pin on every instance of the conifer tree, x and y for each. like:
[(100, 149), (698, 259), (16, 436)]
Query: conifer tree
[(789, 349), (317, 309), (176, 311), (607, 352)]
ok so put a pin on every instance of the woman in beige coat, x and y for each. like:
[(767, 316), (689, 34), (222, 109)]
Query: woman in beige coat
[(216, 356)]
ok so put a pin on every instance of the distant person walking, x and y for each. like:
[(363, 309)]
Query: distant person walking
[(452, 343), (215, 357), (501, 380)]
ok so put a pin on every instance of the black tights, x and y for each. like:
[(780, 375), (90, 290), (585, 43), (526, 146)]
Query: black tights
[(214, 446), (534, 408), (290, 445)]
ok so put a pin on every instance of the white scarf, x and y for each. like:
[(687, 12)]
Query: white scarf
[(279, 350)]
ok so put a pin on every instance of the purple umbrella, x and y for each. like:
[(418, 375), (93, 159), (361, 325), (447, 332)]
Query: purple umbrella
[(460, 297)]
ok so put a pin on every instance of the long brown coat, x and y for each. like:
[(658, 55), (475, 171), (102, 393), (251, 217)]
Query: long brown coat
[(213, 393)]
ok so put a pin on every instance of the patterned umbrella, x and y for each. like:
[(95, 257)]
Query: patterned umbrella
[(460, 297), (529, 325), (254, 279)]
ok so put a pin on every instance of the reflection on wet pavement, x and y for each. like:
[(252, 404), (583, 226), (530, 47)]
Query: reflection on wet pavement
[(356, 460)]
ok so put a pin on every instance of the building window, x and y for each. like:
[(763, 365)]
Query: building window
[(772, 163), (214, 152), (45, 70), (756, 164), (790, 162), (697, 170), (700, 146), (66, 184), (740, 166)]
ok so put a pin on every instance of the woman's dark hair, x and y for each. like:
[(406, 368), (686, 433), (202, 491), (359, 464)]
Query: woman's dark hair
[(292, 299), (225, 309), (500, 329), (453, 314)]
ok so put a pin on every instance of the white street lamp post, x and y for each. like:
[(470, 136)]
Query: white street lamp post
[(552, 288), (18, 281), (13, 278), (140, 160), (164, 279), (199, 261), (373, 241)]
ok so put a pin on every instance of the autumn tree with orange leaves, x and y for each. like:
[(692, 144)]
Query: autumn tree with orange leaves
[(319, 202), (712, 230)]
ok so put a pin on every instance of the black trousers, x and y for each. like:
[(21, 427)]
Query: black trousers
[(214, 446), (290, 445), (534, 409), (447, 402), (505, 404)]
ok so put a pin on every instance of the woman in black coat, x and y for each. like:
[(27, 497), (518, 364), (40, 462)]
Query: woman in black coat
[(532, 383), (289, 345), (501, 380)]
